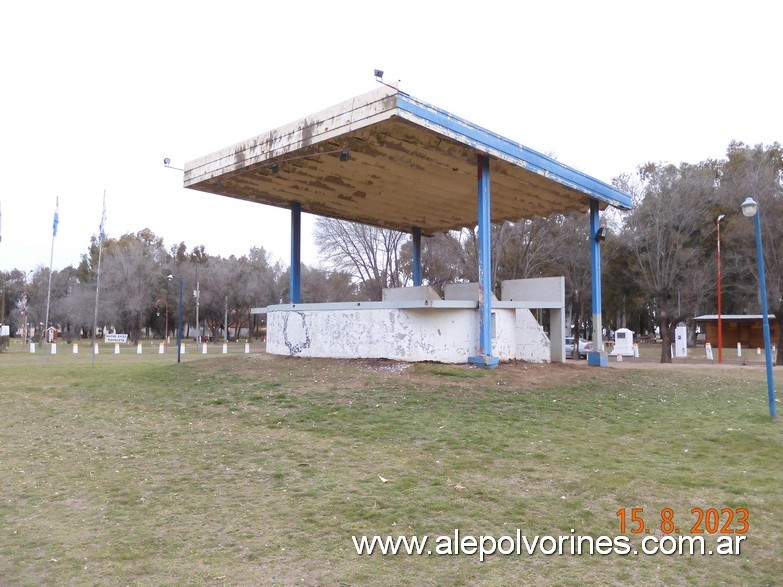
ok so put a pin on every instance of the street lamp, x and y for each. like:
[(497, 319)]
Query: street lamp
[(750, 209), (157, 305), (720, 325), (172, 277), (24, 309)]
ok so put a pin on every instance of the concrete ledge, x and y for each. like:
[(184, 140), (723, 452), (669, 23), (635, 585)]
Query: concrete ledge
[(393, 305)]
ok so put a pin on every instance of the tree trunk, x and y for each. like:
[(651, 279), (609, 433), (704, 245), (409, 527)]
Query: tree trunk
[(577, 331), (136, 334), (666, 340)]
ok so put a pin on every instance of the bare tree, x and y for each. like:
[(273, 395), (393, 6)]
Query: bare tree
[(369, 253), (666, 235), (133, 273), (756, 172)]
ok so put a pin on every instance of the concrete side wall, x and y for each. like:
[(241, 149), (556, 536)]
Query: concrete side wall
[(406, 294), (544, 291), (532, 344), (443, 335), (463, 291)]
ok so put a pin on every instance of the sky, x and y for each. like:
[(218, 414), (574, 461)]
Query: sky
[(96, 94)]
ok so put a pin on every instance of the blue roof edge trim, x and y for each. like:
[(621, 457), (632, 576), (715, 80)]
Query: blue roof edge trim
[(495, 144)]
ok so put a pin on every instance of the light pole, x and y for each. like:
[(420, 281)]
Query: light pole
[(720, 325), (750, 209), (196, 293), (157, 305), (172, 277), (24, 309)]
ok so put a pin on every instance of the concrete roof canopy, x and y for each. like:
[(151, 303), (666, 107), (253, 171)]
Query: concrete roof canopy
[(388, 159)]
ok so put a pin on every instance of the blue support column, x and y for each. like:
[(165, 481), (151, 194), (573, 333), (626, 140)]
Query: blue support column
[(179, 325), (484, 357), (296, 248), (597, 357), (765, 317), (416, 232)]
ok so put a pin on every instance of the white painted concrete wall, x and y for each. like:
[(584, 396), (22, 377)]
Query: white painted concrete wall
[(427, 334)]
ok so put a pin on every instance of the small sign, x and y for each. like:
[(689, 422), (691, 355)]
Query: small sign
[(116, 338)]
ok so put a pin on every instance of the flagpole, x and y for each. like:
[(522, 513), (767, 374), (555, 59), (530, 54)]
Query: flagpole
[(51, 262), (98, 278)]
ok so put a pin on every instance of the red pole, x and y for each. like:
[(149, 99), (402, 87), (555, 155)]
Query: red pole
[(720, 329)]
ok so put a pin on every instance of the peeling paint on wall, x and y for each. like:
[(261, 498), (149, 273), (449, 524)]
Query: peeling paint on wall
[(425, 334), (296, 334)]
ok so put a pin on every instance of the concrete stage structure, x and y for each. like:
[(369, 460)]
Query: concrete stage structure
[(388, 159)]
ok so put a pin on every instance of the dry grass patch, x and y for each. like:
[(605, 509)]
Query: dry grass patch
[(252, 470)]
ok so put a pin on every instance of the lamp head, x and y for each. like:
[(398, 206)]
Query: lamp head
[(600, 234), (171, 277), (721, 217), (749, 207)]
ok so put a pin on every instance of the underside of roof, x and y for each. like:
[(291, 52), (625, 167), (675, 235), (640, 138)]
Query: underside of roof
[(390, 160)]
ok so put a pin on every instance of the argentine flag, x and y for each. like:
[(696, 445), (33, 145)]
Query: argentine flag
[(56, 217)]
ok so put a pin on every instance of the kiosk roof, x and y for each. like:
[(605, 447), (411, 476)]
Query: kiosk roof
[(388, 159)]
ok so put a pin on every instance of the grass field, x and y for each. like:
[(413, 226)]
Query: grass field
[(257, 470)]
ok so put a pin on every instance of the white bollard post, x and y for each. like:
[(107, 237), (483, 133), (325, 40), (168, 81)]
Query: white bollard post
[(32, 347), (75, 349), (161, 349), (97, 348), (182, 348), (54, 348), (619, 357), (204, 348), (708, 350), (739, 349), (636, 350), (758, 350), (116, 348), (225, 348), (247, 347), (138, 349)]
